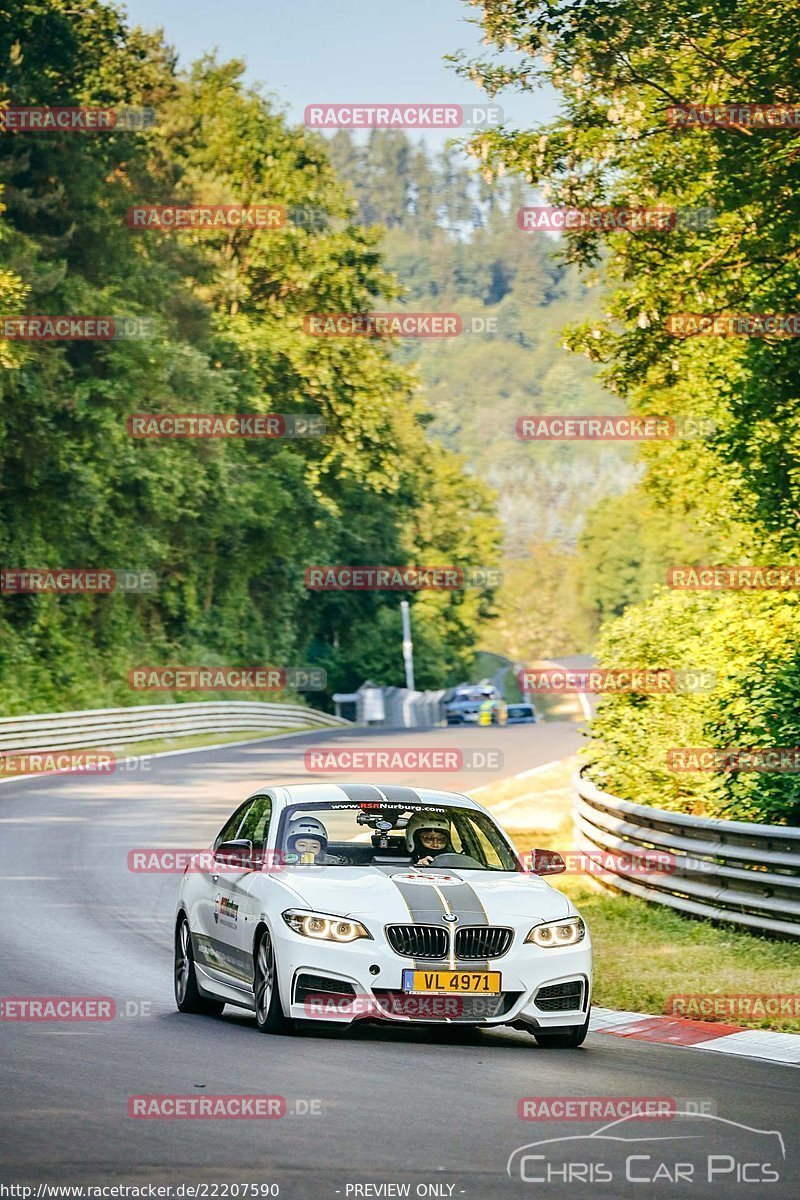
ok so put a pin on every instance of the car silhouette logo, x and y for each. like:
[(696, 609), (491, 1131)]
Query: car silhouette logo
[(623, 1130)]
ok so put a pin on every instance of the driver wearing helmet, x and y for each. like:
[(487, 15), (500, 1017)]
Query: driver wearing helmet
[(307, 841), (427, 836)]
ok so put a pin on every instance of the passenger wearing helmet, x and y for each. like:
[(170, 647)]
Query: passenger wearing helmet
[(306, 842), (427, 836)]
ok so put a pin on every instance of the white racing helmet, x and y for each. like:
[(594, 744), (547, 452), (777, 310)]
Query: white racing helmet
[(425, 820), (306, 827)]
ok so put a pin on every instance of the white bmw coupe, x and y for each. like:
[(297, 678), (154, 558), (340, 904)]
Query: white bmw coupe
[(343, 902)]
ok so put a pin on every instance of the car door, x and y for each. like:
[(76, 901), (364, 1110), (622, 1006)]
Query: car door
[(215, 924), (241, 908)]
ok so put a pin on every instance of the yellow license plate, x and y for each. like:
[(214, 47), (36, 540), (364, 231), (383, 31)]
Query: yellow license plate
[(485, 983)]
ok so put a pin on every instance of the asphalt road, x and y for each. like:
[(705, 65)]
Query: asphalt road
[(382, 1106)]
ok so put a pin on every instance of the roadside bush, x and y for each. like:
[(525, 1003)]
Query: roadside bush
[(751, 641)]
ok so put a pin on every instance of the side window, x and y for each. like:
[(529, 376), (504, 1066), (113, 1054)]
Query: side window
[(256, 824), (479, 846), (228, 831)]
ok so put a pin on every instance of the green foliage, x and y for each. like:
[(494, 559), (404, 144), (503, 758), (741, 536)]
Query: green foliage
[(751, 641), (626, 546), (456, 245), (619, 68), (732, 497), (463, 252), (227, 526), (540, 605)]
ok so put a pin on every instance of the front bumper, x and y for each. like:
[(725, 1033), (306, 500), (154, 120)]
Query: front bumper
[(463, 718), (371, 973)]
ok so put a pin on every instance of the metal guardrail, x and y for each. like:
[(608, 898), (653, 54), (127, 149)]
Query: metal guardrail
[(394, 707), (734, 871), (115, 726)]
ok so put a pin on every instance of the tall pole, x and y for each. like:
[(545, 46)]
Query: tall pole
[(408, 645)]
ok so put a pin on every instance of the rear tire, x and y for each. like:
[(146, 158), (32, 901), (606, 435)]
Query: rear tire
[(187, 994), (568, 1037), (269, 1013)]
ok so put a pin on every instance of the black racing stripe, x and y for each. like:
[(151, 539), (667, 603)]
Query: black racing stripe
[(396, 794), (360, 792), (425, 907), (466, 904), (423, 902)]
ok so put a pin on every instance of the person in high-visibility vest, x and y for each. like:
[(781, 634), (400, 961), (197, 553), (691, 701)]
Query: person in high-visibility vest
[(486, 710)]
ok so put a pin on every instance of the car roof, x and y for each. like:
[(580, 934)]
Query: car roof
[(359, 790)]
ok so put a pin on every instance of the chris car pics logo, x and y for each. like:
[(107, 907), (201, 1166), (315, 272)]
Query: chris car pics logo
[(698, 1148)]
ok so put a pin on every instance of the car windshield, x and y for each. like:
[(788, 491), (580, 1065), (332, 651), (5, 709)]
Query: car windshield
[(353, 833), (475, 696)]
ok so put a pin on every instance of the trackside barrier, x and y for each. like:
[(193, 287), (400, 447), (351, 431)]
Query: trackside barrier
[(393, 707), (735, 871), (114, 726)]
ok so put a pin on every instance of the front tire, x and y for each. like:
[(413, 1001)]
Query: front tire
[(188, 997), (568, 1037), (269, 1014)]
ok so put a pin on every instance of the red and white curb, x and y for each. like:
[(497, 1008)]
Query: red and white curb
[(698, 1035)]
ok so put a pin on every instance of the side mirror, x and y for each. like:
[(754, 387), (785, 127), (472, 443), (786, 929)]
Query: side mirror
[(235, 854), (547, 862)]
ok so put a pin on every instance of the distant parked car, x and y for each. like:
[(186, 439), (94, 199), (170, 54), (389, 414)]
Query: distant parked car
[(521, 714), (464, 703)]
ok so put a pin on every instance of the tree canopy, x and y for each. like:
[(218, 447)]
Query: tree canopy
[(228, 526), (625, 71)]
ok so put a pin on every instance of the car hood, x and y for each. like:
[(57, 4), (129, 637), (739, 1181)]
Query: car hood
[(403, 895)]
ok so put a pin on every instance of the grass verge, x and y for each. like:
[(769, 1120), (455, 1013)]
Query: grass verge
[(644, 953)]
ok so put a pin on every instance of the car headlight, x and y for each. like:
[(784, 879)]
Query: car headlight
[(324, 927), (558, 933)]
